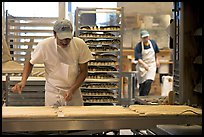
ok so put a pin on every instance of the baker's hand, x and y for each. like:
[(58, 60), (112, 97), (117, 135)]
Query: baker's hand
[(146, 67), (68, 95), (18, 87), (157, 64)]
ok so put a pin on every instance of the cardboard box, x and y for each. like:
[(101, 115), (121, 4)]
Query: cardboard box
[(164, 68), (133, 21), (126, 64), (165, 55), (155, 90), (156, 86)]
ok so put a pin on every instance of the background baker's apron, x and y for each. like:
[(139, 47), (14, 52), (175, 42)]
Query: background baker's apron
[(148, 56)]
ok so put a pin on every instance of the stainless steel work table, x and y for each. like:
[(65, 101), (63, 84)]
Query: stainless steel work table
[(119, 118)]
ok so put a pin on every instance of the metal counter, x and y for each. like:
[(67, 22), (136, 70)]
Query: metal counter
[(60, 123), (56, 124)]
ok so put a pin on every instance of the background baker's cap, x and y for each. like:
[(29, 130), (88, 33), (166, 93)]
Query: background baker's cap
[(63, 29), (144, 33)]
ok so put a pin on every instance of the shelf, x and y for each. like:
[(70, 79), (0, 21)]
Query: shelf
[(99, 37), (116, 72), (104, 42), (17, 78), (105, 68), (103, 65), (99, 30), (101, 45), (165, 62), (103, 59), (104, 72), (101, 80), (103, 9), (98, 88), (165, 50), (111, 51), (102, 69), (39, 65), (112, 90), (12, 67), (127, 52), (101, 102), (84, 95), (91, 12), (108, 44)]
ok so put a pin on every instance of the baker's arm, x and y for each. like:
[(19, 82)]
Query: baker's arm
[(157, 60), (26, 72), (79, 80), (140, 61)]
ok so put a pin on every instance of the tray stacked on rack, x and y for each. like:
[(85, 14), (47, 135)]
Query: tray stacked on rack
[(103, 83)]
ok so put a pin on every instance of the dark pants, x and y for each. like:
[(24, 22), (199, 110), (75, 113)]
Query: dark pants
[(145, 87)]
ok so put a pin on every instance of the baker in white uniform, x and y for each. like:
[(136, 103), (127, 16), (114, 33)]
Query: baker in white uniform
[(146, 55), (65, 58)]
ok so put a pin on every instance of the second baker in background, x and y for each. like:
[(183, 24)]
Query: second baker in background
[(146, 55)]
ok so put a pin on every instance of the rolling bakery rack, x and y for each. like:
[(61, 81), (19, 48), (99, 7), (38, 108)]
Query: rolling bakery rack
[(103, 84)]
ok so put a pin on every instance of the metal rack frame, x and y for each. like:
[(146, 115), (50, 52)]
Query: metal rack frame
[(119, 11), (26, 98), (21, 31)]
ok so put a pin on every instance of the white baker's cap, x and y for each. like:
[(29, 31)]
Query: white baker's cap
[(144, 33), (63, 29)]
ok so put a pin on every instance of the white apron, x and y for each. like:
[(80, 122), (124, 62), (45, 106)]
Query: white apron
[(60, 80), (148, 56)]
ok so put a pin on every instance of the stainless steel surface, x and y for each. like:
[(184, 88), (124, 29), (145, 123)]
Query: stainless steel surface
[(54, 124), (32, 95), (94, 117), (129, 99)]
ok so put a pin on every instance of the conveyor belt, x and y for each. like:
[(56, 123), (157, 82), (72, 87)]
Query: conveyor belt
[(91, 118)]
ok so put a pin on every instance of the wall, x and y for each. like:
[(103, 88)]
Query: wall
[(130, 8), (153, 16)]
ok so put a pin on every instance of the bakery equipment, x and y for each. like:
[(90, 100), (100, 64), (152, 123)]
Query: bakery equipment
[(42, 118)]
